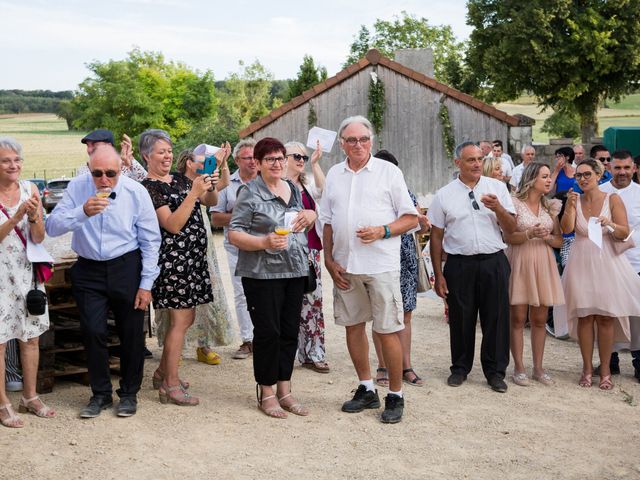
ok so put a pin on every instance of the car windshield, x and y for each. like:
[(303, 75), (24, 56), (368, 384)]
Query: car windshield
[(38, 183), (58, 184)]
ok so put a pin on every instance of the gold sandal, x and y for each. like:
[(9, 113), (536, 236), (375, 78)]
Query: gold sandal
[(12, 420), (158, 378), (42, 412), (273, 412), (181, 398), (295, 408)]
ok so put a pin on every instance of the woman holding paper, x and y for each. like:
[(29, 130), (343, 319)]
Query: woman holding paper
[(311, 346), (20, 218), (267, 226), (600, 286)]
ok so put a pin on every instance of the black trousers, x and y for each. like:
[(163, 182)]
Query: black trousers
[(98, 287), (478, 284), (274, 306)]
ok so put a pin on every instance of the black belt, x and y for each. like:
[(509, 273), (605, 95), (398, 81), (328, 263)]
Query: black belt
[(113, 261)]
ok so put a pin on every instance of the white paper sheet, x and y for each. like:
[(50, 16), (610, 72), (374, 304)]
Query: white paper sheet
[(36, 252), (595, 231), (326, 137), (289, 217)]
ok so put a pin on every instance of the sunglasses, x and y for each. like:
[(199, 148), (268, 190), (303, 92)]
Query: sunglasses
[(298, 157), (604, 159), (100, 173), (585, 175), (474, 204)]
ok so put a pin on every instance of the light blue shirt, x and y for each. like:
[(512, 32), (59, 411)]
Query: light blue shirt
[(128, 223)]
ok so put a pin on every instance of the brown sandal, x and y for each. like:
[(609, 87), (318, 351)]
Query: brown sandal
[(382, 381), (11, 420), (158, 378), (320, 367), (606, 383), (181, 397), (274, 412), (295, 408), (26, 405)]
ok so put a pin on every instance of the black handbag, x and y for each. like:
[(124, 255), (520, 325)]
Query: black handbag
[(311, 280), (36, 299)]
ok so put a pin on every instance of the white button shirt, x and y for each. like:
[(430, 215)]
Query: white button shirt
[(374, 195), (516, 175), (468, 231), (631, 198)]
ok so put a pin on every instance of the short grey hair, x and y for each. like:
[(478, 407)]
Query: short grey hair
[(462, 146), (525, 148), (9, 143), (244, 143), (299, 145), (105, 149), (355, 119), (148, 139)]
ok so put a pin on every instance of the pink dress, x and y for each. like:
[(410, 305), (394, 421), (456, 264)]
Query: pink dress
[(534, 273), (599, 281)]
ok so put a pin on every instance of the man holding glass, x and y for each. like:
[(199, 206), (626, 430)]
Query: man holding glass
[(117, 240), (364, 209)]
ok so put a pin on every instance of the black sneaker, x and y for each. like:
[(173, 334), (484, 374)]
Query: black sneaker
[(147, 353), (393, 408), (362, 399), (456, 379), (497, 384), (127, 407), (95, 406)]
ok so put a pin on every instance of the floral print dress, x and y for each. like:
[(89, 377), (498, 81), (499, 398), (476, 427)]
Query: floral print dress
[(184, 280)]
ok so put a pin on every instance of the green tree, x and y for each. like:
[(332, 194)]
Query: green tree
[(143, 91), (570, 54), (308, 76), (562, 124), (64, 110), (408, 31), (246, 96)]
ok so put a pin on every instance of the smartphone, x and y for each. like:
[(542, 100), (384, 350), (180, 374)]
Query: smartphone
[(208, 167)]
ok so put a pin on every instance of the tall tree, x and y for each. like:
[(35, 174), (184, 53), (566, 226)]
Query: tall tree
[(407, 31), (143, 91), (246, 96), (570, 54), (308, 76)]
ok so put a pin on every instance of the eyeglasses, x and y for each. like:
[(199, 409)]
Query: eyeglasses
[(474, 204), (273, 160), (351, 141), (604, 159), (100, 173), (298, 157), (250, 157), (585, 175)]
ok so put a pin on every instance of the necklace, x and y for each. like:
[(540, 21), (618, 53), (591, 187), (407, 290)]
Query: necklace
[(8, 197)]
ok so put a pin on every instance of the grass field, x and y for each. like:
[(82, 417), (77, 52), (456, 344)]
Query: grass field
[(626, 113), (49, 149)]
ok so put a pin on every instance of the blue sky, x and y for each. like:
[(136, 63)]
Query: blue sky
[(46, 44)]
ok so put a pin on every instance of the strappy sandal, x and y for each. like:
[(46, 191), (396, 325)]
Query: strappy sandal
[(544, 379), (606, 383), (11, 420), (384, 380), (176, 395), (158, 378), (416, 382), (585, 380), (320, 367), (295, 408), (26, 405), (273, 412)]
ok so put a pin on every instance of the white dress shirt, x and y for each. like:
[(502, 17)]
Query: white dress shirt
[(468, 231), (631, 198), (374, 195), (516, 175)]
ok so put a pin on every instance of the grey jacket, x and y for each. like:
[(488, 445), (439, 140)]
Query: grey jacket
[(258, 211)]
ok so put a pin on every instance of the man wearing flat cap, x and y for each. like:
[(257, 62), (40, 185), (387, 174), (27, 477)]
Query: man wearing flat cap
[(130, 166)]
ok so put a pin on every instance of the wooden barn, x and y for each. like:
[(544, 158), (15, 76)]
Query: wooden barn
[(412, 122)]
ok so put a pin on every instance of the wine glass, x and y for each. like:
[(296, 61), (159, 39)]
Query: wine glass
[(103, 192), (283, 230)]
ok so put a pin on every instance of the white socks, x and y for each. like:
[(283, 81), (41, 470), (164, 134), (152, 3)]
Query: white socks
[(368, 384)]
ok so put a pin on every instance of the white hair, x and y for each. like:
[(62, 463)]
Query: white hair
[(355, 119)]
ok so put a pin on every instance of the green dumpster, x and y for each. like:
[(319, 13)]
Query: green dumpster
[(616, 138)]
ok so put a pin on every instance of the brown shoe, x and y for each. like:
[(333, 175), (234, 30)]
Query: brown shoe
[(244, 351)]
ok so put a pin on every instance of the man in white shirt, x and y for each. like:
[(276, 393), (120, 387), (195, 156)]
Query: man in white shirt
[(528, 154), (623, 168), (220, 217), (467, 216), (578, 151), (365, 208)]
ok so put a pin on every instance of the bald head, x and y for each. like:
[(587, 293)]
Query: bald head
[(106, 164)]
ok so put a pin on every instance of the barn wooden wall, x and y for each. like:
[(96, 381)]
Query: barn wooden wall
[(412, 130)]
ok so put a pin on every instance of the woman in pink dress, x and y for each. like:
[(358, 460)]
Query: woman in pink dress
[(534, 284), (600, 285)]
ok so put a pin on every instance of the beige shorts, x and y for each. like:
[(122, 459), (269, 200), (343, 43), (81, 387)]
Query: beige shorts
[(374, 298)]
